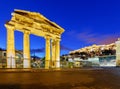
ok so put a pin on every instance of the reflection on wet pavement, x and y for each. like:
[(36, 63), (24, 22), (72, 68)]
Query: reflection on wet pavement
[(107, 78)]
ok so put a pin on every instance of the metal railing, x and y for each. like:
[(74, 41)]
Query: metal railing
[(18, 63)]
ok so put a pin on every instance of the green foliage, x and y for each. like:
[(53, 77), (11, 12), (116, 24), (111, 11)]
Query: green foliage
[(43, 58), (70, 64)]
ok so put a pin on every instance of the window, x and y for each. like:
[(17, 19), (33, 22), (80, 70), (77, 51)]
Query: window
[(4, 54)]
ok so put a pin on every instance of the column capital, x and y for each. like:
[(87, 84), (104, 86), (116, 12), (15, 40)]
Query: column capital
[(53, 42), (26, 32), (9, 27), (57, 39), (47, 37)]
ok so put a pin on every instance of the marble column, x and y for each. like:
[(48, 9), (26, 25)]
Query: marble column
[(53, 54), (26, 50), (47, 53), (118, 52), (57, 53), (10, 47)]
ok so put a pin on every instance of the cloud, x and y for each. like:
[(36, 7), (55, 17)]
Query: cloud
[(87, 37), (37, 50), (107, 39), (97, 38), (62, 47)]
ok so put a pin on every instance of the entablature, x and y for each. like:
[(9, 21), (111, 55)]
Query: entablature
[(31, 23), (35, 23)]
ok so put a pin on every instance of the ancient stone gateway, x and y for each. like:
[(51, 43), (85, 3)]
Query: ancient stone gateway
[(33, 23)]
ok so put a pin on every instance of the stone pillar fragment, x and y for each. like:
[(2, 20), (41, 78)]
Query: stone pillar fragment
[(47, 53), (57, 53), (118, 52), (26, 50), (10, 47)]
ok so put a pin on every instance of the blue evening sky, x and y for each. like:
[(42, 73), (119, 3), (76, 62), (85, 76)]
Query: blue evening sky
[(86, 22)]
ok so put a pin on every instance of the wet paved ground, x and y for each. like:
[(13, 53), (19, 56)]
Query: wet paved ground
[(101, 78)]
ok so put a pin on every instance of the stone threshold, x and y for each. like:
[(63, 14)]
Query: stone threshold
[(9, 70)]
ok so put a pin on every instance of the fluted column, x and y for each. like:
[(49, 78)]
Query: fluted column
[(57, 53), (53, 54), (118, 52), (47, 52), (26, 50), (10, 47)]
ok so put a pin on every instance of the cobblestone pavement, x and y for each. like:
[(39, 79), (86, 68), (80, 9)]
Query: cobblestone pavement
[(89, 78)]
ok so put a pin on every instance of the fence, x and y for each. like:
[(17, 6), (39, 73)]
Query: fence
[(34, 63), (37, 63)]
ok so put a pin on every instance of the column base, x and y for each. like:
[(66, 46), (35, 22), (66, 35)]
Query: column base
[(53, 64), (47, 68), (57, 68), (57, 65), (47, 64), (11, 62), (26, 64)]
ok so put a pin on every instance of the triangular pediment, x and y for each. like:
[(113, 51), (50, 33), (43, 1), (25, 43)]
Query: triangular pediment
[(37, 17)]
